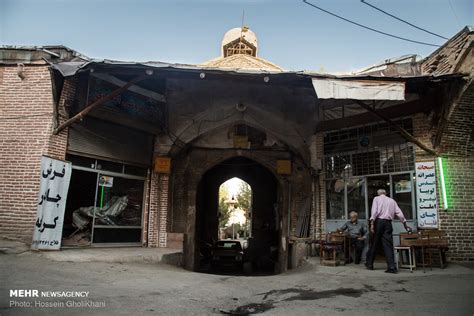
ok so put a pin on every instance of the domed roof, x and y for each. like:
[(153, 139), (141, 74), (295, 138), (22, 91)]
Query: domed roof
[(239, 51), (238, 32)]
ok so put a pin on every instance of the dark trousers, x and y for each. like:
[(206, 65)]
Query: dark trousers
[(383, 235), (358, 246)]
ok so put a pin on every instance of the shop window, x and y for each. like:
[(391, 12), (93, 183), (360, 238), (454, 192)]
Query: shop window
[(119, 201), (402, 193), (335, 199), (137, 171), (81, 196), (101, 207), (398, 159), (335, 165), (81, 161), (356, 196), (109, 166), (366, 163)]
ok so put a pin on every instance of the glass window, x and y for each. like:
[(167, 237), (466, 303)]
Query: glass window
[(138, 171), (356, 196), (119, 201), (81, 161), (402, 193), (335, 199), (79, 208), (109, 166)]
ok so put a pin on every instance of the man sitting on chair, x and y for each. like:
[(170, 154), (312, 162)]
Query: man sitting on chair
[(358, 233)]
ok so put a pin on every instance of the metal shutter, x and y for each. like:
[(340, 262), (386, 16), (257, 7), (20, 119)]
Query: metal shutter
[(102, 139)]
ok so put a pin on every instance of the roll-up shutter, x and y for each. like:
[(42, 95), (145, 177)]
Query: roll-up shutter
[(101, 139)]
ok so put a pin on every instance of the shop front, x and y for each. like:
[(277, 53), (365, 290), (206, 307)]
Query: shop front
[(361, 160), (107, 193)]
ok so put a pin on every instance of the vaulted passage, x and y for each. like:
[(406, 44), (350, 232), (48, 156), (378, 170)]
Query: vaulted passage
[(262, 252)]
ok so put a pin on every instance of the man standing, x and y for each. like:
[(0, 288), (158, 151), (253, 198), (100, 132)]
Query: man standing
[(358, 233), (384, 210)]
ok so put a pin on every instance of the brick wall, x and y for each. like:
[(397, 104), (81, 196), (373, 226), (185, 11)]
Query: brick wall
[(320, 200), (457, 145), (26, 120), (457, 151), (156, 214), (458, 220)]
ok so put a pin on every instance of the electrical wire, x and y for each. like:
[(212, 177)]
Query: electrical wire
[(368, 27), (402, 20)]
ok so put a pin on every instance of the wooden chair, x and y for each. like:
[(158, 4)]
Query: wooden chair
[(437, 243), (332, 249)]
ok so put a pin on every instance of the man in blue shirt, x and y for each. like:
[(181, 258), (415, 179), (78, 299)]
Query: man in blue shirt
[(358, 232)]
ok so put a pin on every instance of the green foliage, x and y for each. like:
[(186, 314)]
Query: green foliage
[(244, 201), (224, 212), (244, 196)]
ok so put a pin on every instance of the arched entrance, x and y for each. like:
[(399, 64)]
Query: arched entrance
[(263, 249)]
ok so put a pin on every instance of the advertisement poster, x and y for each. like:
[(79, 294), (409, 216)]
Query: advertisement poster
[(55, 177), (427, 204)]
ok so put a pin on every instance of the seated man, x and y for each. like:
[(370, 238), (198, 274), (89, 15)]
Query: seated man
[(358, 233)]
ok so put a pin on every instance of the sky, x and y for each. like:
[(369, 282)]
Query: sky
[(290, 33)]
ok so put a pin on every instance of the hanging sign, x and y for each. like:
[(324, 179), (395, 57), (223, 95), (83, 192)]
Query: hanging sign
[(54, 184), (427, 203)]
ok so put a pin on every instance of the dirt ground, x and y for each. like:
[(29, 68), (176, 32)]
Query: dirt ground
[(151, 288)]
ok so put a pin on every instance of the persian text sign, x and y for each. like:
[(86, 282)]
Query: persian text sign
[(55, 177), (427, 203)]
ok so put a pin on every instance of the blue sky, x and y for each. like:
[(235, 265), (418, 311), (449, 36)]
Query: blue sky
[(290, 33)]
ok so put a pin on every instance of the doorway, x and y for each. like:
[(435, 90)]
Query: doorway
[(235, 210), (264, 232)]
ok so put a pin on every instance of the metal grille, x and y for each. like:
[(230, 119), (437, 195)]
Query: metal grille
[(368, 150)]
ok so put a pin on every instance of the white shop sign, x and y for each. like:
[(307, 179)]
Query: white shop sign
[(55, 177), (427, 202)]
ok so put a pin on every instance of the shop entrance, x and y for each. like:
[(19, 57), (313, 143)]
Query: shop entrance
[(104, 204), (260, 246)]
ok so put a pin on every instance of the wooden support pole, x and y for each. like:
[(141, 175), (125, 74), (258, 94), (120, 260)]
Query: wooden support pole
[(93, 105), (403, 132)]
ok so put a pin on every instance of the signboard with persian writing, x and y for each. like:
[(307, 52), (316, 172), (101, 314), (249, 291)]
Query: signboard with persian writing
[(284, 167), (427, 203), (163, 165), (55, 178)]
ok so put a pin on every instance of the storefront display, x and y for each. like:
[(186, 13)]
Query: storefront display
[(104, 206)]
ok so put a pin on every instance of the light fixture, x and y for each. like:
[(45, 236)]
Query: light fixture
[(149, 72), (202, 75), (266, 79), (443, 183)]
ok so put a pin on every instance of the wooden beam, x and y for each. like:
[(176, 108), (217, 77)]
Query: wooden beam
[(392, 112), (93, 105), (137, 89), (403, 132)]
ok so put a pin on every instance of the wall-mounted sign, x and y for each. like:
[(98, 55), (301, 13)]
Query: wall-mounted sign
[(427, 203), (106, 181), (284, 166), (54, 184), (163, 165), (241, 141)]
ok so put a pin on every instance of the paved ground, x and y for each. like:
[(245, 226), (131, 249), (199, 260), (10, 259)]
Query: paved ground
[(151, 288)]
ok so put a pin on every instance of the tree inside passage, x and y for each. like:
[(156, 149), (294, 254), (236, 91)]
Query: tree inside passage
[(235, 201)]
